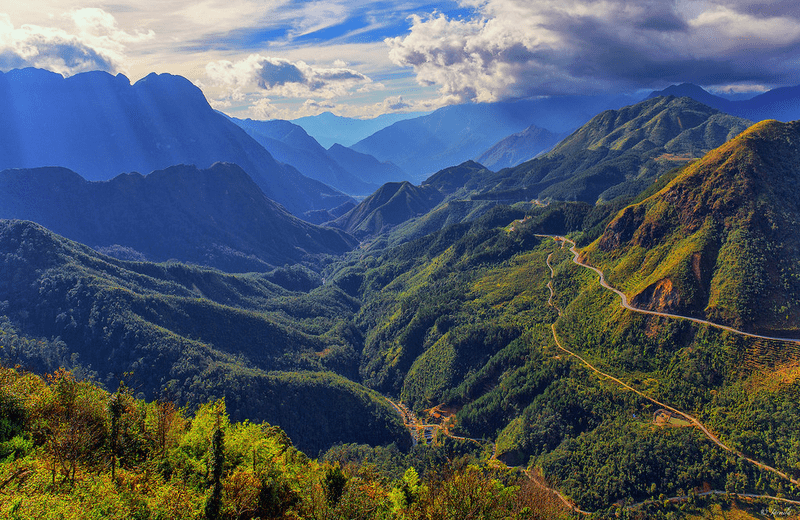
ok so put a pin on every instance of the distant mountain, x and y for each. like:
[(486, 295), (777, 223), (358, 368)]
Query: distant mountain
[(454, 134), (618, 153), (193, 335), (329, 129), (781, 103), (217, 217), (518, 148), (393, 204), (365, 166), (100, 125), (695, 92), (720, 240), (289, 143)]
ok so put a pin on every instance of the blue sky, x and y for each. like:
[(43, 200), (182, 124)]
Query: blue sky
[(287, 58)]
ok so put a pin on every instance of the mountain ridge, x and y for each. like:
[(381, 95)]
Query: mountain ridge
[(217, 216)]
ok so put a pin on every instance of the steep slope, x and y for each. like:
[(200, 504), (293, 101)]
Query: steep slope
[(454, 134), (100, 125), (217, 217), (393, 204), (365, 166), (720, 240), (618, 153), (193, 335), (289, 143), (518, 148)]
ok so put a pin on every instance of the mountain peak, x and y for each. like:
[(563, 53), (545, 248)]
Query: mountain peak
[(724, 230)]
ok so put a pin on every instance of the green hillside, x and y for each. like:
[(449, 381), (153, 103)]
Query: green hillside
[(618, 153), (392, 204), (719, 241)]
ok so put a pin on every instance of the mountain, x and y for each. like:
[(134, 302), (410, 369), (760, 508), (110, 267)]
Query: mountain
[(329, 129), (518, 148), (289, 143), (393, 204), (463, 178), (618, 153), (100, 125), (454, 134), (217, 217), (782, 103), (719, 241), (365, 166), (193, 335)]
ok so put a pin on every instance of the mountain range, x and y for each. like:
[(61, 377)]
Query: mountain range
[(100, 125), (216, 217), (618, 152), (454, 134), (518, 148), (289, 143), (329, 129)]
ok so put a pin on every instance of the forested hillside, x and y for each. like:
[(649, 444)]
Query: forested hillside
[(192, 334), (719, 241), (468, 337)]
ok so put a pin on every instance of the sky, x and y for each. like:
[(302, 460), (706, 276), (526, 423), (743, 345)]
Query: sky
[(286, 59)]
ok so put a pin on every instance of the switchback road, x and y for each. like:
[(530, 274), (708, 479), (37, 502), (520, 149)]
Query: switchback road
[(690, 418)]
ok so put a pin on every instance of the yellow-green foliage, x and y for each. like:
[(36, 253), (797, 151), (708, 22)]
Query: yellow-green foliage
[(164, 466)]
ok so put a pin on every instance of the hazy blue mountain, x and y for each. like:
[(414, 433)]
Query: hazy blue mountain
[(454, 134), (217, 217), (518, 148), (289, 143), (366, 166), (781, 103), (329, 129), (100, 125)]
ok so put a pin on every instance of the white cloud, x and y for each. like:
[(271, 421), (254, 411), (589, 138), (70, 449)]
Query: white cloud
[(392, 104), (517, 48), (96, 44), (282, 77)]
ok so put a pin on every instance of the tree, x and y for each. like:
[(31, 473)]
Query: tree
[(214, 501)]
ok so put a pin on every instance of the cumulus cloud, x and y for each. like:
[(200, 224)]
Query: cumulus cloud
[(286, 78), (518, 48), (392, 104), (96, 44)]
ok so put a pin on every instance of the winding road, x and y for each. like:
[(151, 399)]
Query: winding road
[(576, 259), (414, 425), (690, 418)]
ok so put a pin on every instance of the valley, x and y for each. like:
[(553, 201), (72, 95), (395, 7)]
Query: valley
[(607, 328)]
